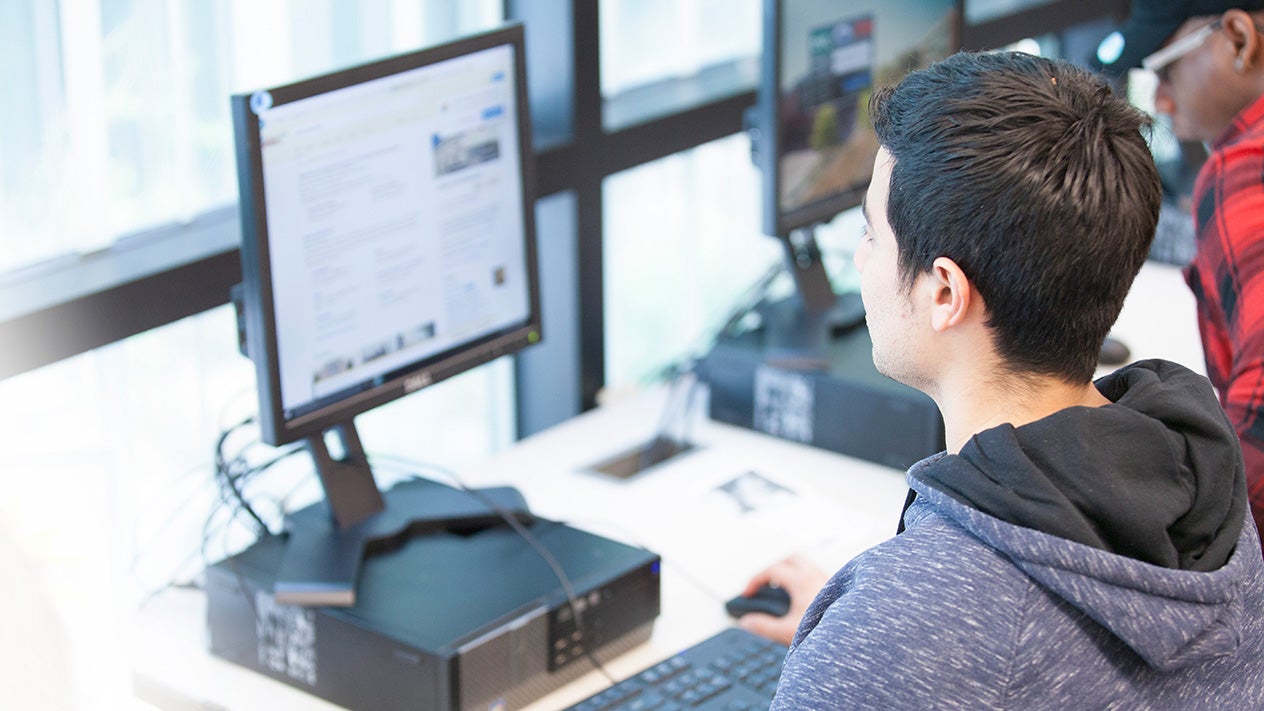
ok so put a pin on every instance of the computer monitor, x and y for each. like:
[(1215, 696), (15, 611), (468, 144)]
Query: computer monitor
[(388, 243), (822, 60)]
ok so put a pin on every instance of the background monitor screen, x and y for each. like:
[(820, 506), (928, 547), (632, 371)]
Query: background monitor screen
[(823, 59), (388, 229)]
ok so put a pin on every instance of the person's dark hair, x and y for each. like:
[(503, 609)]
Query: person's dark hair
[(1036, 179)]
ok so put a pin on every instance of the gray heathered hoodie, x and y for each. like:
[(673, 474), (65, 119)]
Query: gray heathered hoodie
[(967, 610)]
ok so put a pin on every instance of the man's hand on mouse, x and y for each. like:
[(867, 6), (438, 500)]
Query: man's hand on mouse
[(796, 576)]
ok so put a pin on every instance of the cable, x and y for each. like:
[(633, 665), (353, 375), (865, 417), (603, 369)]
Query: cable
[(236, 472), (233, 474), (229, 475), (695, 386), (531, 540), (555, 566), (745, 303), (662, 445), (631, 539), (173, 514), (749, 299), (222, 469)]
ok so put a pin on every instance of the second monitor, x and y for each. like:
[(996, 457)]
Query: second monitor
[(821, 63), (806, 372)]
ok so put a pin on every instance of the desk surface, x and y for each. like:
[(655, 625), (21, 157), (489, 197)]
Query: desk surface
[(794, 499)]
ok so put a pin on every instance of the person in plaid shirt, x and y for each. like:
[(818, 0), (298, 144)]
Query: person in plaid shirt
[(1209, 58)]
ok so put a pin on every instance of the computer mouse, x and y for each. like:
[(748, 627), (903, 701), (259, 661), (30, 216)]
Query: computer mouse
[(1113, 352), (768, 599)]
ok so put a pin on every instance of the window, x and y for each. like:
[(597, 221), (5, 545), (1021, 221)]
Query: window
[(661, 56), (109, 483), (700, 248), (117, 118)]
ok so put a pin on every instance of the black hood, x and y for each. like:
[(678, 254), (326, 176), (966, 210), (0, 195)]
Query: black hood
[(1156, 476)]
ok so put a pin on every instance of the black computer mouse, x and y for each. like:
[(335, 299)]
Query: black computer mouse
[(768, 599)]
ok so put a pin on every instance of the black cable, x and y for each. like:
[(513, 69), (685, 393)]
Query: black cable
[(221, 468), (231, 506), (749, 299), (630, 538), (677, 371), (233, 474), (223, 480), (531, 540), (173, 513), (558, 572), (662, 445), (754, 294), (694, 388), (745, 303)]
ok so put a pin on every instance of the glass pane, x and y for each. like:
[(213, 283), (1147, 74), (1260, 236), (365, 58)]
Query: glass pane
[(674, 274), (550, 69), (644, 42), (674, 271), (548, 371), (117, 111), (110, 493)]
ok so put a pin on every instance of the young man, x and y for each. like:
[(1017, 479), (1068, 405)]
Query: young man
[(1209, 58), (1078, 544)]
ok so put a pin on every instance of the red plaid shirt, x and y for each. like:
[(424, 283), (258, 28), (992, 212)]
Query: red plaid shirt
[(1227, 278)]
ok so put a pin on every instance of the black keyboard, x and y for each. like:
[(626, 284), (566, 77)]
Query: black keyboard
[(732, 671)]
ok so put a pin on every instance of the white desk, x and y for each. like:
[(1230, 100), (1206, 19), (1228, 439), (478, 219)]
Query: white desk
[(838, 507), (835, 508)]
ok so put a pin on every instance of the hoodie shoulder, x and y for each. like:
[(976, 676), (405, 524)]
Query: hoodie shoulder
[(928, 615), (1171, 619), (939, 617)]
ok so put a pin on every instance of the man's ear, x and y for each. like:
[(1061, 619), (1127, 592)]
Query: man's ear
[(1240, 28), (951, 294)]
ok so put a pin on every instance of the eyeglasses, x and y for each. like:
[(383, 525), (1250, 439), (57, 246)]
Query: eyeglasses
[(1161, 61)]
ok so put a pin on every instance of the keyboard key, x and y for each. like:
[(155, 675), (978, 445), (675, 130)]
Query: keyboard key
[(730, 671)]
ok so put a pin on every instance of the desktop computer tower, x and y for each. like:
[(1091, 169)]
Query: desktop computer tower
[(447, 621), (828, 396)]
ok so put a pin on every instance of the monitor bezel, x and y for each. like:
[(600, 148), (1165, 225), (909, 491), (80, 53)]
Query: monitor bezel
[(259, 314)]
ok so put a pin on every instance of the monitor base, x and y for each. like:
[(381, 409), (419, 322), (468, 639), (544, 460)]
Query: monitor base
[(322, 562)]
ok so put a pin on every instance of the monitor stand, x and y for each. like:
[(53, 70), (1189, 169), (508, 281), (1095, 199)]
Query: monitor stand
[(328, 540), (799, 330)]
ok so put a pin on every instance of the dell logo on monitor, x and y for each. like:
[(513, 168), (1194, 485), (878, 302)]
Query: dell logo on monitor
[(418, 381)]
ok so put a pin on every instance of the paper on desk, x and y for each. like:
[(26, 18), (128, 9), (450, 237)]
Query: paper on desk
[(724, 529)]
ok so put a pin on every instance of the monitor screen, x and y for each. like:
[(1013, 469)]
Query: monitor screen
[(822, 60), (388, 229)]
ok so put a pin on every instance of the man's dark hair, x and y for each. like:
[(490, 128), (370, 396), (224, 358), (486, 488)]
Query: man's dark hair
[(1036, 180)]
